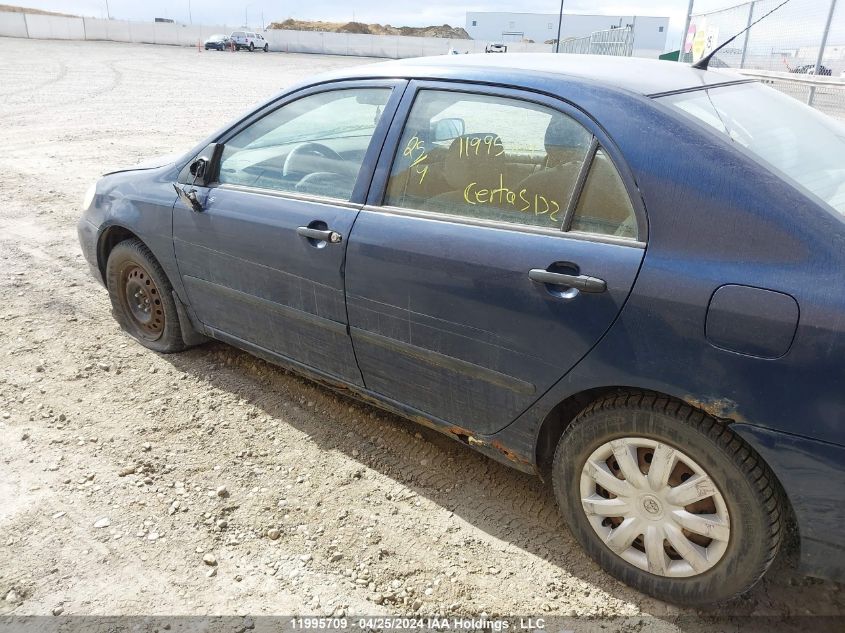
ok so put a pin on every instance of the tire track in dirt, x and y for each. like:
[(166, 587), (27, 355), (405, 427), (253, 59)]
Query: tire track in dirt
[(366, 504), (10, 75)]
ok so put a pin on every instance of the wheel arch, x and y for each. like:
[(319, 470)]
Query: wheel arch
[(563, 413), (110, 237), (191, 329), (558, 419)]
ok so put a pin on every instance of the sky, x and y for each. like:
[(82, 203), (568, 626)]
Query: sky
[(397, 13)]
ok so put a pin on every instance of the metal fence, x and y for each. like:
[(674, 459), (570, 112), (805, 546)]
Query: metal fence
[(612, 42), (799, 49)]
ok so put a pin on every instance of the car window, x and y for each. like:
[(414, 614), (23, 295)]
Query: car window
[(237, 34), (487, 157), (314, 145), (503, 159), (801, 143), (604, 206)]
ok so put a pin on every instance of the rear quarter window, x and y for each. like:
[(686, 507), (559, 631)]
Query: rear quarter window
[(800, 143)]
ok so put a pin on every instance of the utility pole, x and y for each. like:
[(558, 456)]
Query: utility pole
[(822, 46), (108, 13), (190, 18), (747, 35), (685, 31), (559, 25)]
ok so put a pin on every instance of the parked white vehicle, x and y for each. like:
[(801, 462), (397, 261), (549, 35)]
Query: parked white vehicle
[(496, 47), (249, 40)]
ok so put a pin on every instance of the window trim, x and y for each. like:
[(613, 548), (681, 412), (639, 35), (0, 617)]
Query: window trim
[(503, 226), (290, 195), (381, 174), (365, 174), (580, 182)]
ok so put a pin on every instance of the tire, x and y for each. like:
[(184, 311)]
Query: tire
[(266, 48), (729, 482), (251, 47), (133, 274)]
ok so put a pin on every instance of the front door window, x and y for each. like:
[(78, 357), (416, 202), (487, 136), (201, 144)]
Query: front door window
[(314, 145)]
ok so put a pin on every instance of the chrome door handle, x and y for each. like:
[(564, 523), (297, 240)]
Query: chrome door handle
[(583, 283), (323, 236)]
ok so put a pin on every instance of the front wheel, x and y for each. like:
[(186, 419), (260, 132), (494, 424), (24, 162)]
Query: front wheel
[(251, 47), (142, 297), (668, 499), (266, 48)]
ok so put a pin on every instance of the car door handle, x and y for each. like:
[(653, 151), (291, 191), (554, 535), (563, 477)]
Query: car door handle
[(583, 283), (322, 235)]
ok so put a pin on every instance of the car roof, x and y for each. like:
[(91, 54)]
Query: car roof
[(643, 76)]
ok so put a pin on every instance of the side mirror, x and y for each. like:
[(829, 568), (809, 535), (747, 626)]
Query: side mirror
[(198, 168), (447, 129)]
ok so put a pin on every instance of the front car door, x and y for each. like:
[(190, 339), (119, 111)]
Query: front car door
[(498, 245), (262, 262)]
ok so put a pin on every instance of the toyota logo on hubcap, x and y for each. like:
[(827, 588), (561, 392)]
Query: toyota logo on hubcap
[(651, 505)]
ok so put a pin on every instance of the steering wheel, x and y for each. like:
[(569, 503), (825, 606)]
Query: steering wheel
[(320, 180), (309, 147)]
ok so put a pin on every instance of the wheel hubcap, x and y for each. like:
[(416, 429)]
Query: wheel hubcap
[(143, 302), (655, 507)]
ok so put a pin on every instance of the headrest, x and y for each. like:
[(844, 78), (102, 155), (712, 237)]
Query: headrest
[(565, 133)]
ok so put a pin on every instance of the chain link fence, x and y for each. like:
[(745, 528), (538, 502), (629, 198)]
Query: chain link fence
[(799, 49), (611, 42)]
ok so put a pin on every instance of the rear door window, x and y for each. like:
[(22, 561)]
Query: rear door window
[(506, 160), (604, 207)]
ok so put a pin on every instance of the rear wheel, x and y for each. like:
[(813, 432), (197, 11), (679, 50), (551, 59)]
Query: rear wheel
[(251, 47), (142, 297), (668, 499)]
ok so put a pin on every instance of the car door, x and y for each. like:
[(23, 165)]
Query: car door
[(498, 245), (262, 262)]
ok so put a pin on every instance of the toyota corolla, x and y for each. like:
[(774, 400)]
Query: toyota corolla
[(625, 276)]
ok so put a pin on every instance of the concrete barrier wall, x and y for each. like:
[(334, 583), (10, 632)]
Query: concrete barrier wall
[(13, 24), (48, 27), (392, 46), (116, 30)]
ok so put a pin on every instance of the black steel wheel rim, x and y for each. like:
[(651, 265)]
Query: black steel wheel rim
[(143, 302)]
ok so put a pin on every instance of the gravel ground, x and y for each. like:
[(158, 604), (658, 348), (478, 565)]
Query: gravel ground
[(210, 482)]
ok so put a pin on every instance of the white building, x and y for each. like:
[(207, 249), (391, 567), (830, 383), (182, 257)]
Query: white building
[(649, 32)]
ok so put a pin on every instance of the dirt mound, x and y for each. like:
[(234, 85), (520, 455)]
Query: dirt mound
[(9, 8), (444, 31)]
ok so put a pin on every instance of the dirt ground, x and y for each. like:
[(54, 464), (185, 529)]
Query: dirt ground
[(122, 470)]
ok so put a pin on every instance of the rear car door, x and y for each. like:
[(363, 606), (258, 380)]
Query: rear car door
[(262, 263), (499, 243)]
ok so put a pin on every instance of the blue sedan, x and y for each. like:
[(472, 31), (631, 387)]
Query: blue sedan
[(625, 276)]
